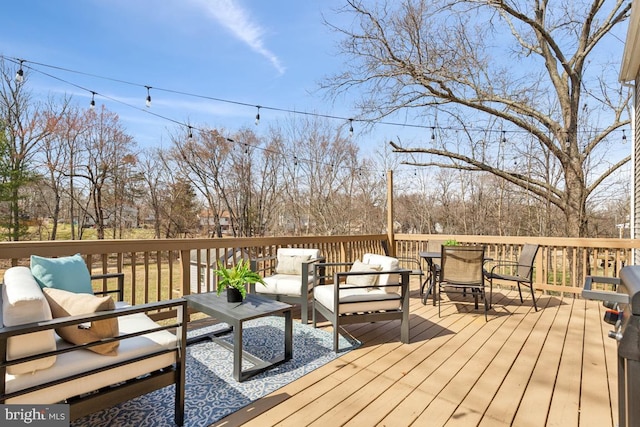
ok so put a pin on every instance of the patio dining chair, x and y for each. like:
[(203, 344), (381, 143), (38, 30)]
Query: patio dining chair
[(461, 272), (520, 272)]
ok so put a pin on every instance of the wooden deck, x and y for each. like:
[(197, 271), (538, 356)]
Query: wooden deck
[(555, 367)]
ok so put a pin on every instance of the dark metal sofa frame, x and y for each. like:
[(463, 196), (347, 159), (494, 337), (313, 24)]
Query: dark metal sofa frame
[(118, 393)]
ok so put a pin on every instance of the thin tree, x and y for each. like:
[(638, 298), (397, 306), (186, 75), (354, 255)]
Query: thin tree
[(24, 125)]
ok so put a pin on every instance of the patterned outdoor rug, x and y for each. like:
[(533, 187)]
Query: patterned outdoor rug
[(211, 391)]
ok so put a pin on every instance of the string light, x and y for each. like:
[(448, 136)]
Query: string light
[(624, 137), (92, 105), (148, 101), (350, 127), (20, 73), (20, 76)]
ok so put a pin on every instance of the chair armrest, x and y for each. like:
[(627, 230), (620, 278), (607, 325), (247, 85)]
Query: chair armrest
[(257, 264), (505, 263), (320, 271)]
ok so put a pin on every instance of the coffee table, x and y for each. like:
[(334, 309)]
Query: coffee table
[(235, 314)]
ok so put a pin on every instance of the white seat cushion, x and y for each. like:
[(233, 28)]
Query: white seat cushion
[(388, 264), (80, 361), (361, 299), (283, 284)]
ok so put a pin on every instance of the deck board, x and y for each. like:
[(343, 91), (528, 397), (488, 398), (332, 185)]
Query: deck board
[(525, 368)]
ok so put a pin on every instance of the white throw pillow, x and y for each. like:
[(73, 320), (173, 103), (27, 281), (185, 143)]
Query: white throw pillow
[(291, 264), (23, 302), (363, 280)]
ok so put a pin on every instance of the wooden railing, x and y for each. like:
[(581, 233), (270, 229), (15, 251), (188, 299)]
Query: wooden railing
[(157, 270), (561, 263)]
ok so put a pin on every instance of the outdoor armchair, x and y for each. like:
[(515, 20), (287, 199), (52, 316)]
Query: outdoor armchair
[(520, 272), (371, 290), (290, 279)]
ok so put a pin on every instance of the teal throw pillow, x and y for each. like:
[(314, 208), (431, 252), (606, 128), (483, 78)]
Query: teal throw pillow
[(68, 273)]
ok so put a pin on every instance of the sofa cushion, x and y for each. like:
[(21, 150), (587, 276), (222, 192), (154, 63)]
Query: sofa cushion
[(82, 361), (69, 273), (291, 264), (65, 303), (388, 264), (23, 302), (364, 280), (356, 300)]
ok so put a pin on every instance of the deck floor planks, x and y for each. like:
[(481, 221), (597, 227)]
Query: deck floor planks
[(432, 372), (374, 398), (506, 401), (565, 403), (454, 379), (344, 404), (493, 363), (423, 347), (403, 375), (535, 403), (594, 374)]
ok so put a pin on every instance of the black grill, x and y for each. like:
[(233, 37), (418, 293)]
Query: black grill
[(623, 304)]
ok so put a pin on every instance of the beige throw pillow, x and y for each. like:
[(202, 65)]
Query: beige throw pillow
[(64, 303), (291, 264), (363, 280)]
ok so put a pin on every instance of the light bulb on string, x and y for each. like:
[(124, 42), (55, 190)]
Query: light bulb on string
[(624, 136), (20, 73), (148, 100), (92, 104), (190, 136), (350, 127), (433, 133), (504, 138), (258, 115)]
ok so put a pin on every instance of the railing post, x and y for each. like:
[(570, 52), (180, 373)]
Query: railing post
[(390, 235), (185, 264)]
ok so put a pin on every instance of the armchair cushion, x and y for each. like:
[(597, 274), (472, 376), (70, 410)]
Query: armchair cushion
[(364, 280), (69, 273), (64, 303), (357, 300), (291, 264), (23, 302), (282, 284)]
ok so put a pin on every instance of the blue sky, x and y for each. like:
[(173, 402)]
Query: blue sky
[(269, 53), (272, 53)]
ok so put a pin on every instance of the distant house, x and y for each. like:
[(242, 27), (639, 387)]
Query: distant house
[(208, 222), (630, 73)]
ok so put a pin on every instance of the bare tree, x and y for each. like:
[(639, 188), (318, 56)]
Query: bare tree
[(456, 58), (106, 149), (24, 125)]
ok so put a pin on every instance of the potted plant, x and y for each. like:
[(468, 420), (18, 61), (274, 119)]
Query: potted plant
[(234, 280)]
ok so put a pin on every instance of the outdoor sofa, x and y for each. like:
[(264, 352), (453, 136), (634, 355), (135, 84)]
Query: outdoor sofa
[(40, 367)]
